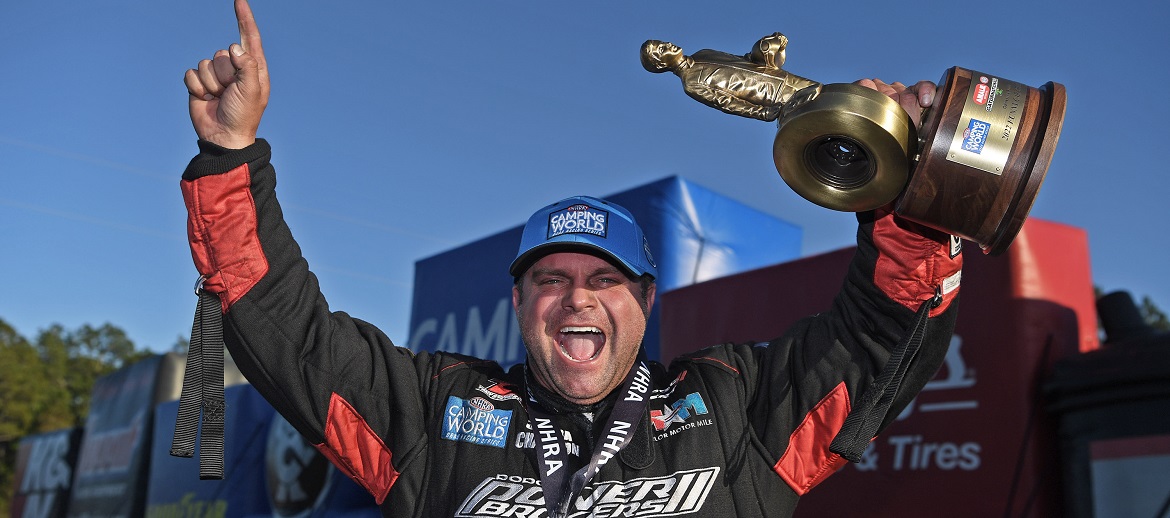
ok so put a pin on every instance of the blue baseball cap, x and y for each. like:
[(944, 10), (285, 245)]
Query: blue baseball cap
[(584, 222)]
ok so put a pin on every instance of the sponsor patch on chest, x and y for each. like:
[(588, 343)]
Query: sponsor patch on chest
[(476, 421), (499, 390), (681, 412)]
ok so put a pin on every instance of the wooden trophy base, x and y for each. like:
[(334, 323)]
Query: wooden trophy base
[(986, 149)]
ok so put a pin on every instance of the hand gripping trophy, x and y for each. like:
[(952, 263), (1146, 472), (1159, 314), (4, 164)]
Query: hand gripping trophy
[(973, 169)]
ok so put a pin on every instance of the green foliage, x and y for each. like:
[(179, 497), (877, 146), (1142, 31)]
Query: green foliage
[(1153, 316), (45, 385), (1150, 312)]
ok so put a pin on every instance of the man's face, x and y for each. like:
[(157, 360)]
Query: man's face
[(583, 320)]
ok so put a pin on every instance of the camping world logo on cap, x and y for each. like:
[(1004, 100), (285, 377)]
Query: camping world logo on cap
[(578, 219)]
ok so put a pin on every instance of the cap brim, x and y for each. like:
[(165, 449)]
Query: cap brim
[(532, 255)]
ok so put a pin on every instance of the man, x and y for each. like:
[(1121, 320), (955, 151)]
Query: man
[(586, 426)]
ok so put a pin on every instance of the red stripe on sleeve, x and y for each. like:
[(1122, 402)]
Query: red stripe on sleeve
[(222, 231), (356, 450), (808, 461), (910, 267)]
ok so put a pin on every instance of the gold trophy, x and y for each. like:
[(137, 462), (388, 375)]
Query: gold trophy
[(973, 170)]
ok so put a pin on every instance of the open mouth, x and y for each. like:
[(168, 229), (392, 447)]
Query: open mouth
[(581, 344)]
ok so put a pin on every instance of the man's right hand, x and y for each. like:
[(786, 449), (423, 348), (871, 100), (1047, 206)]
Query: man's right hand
[(228, 93)]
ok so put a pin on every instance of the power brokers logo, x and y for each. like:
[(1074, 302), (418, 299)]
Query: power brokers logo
[(676, 494)]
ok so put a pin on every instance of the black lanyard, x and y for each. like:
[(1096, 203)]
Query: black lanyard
[(552, 455)]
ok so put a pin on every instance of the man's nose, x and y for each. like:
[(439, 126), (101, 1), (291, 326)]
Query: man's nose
[(578, 298)]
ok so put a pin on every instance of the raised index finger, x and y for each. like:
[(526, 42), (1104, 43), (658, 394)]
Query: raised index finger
[(249, 33)]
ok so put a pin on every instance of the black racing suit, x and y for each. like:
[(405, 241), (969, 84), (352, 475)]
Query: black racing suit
[(732, 430)]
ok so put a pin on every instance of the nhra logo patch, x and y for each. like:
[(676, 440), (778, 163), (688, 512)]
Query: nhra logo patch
[(975, 136), (476, 421), (578, 219)]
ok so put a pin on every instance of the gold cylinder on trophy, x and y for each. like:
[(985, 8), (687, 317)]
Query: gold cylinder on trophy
[(973, 169)]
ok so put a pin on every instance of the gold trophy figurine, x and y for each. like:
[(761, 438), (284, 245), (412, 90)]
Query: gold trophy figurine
[(750, 86), (975, 172)]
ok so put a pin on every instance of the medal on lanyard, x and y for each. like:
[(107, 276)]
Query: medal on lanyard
[(558, 486)]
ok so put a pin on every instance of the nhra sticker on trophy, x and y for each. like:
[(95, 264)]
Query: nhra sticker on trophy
[(973, 169)]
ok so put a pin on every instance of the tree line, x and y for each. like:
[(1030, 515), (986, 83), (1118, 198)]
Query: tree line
[(45, 383)]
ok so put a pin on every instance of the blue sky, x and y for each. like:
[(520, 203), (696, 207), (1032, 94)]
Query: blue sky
[(401, 130)]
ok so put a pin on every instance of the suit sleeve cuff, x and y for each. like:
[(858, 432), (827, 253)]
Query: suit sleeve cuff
[(214, 159)]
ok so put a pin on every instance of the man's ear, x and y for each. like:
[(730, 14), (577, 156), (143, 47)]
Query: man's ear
[(517, 298), (650, 297)]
